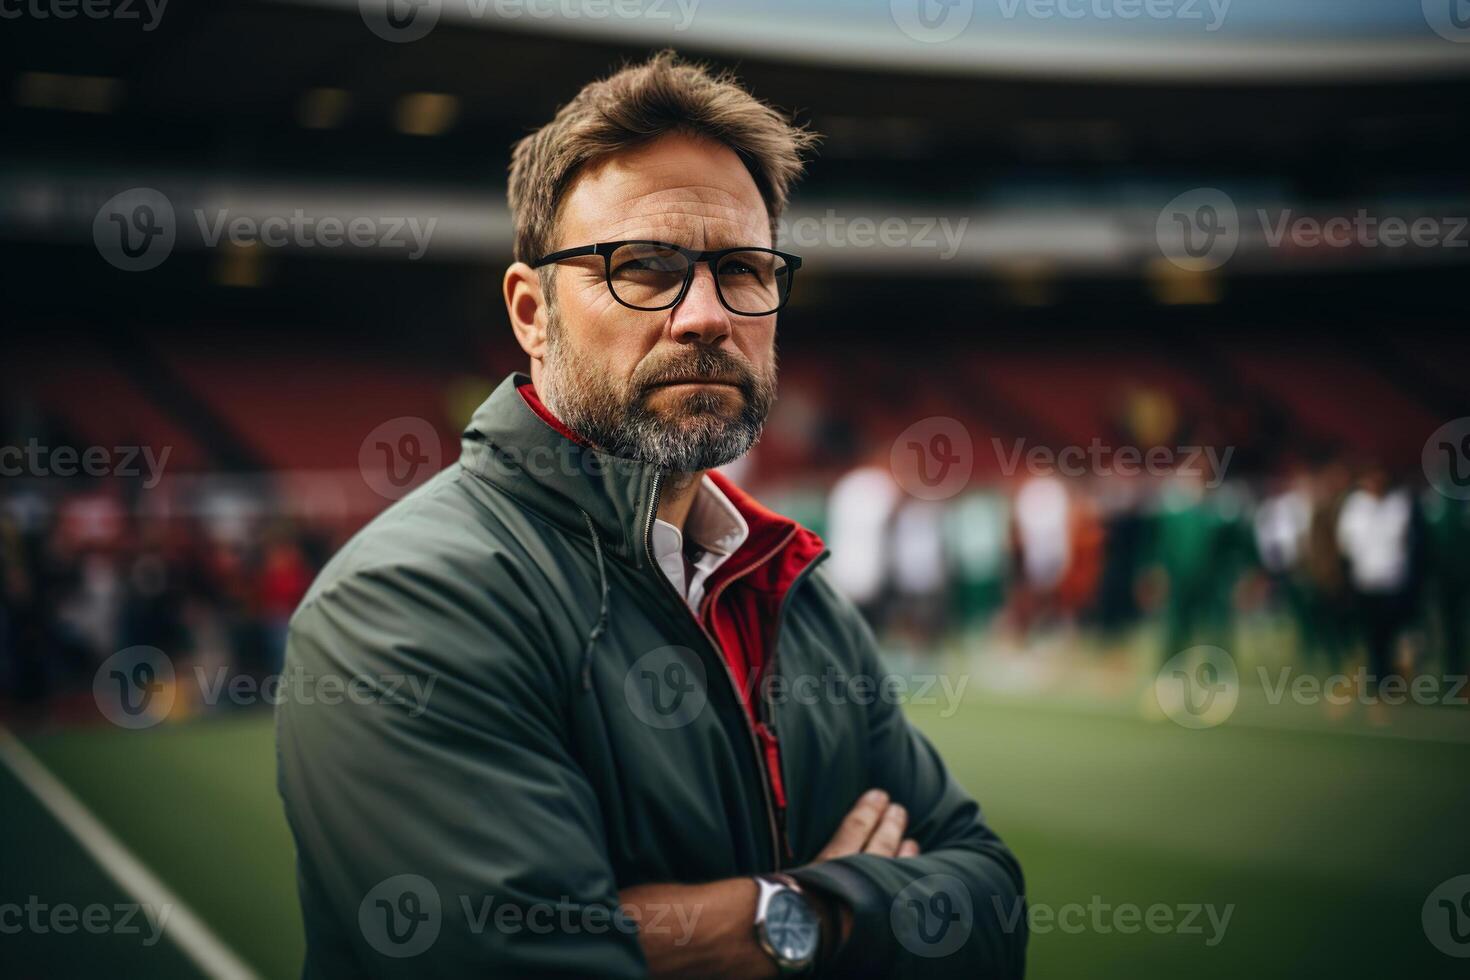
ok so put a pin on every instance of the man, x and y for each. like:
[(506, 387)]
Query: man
[(614, 771)]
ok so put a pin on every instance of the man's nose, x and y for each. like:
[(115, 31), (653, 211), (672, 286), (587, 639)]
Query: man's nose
[(700, 318)]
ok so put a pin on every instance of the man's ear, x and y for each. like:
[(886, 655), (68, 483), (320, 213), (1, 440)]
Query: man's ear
[(526, 305)]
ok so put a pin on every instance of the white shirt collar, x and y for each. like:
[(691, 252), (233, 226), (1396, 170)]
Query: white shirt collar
[(715, 526)]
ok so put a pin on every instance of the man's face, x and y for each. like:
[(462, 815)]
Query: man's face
[(686, 388)]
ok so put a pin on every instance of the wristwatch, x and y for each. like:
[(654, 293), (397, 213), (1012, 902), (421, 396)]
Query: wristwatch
[(786, 925)]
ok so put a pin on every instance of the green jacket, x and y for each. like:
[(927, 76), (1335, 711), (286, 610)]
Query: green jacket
[(498, 712)]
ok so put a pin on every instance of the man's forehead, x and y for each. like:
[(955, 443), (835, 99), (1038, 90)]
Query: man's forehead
[(691, 192)]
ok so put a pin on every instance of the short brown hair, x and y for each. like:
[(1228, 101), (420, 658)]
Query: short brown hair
[(639, 103)]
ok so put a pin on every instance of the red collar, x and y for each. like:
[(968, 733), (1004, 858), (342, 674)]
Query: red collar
[(528, 392)]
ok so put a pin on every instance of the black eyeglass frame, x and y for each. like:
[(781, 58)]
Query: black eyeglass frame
[(709, 257)]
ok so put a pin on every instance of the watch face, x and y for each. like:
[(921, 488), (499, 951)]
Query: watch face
[(791, 927)]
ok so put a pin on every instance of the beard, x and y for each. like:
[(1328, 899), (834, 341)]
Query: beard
[(689, 431)]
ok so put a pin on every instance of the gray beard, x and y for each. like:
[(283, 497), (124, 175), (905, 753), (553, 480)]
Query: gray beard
[(695, 435)]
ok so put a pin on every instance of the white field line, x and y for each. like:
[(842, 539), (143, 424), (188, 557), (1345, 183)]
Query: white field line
[(195, 939)]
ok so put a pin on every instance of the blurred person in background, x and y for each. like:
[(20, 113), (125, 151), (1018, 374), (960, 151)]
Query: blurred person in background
[(1200, 549), (1281, 524), (1043, 538), (1125, 542), (860, 512), (1329, 605), (281, 584), (977, 542), (1447, 547), (1379, 536), (921, 575)]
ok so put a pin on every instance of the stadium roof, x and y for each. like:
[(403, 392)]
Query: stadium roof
[(1193, 40)]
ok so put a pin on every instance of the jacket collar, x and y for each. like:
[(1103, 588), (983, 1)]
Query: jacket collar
[(514, 443), (546, 469)]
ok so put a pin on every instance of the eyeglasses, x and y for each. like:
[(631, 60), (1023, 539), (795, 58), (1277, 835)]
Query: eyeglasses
[(651, 276)]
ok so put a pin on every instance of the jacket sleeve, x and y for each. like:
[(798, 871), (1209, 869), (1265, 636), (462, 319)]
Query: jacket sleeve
[(956, 910), (442, 826)]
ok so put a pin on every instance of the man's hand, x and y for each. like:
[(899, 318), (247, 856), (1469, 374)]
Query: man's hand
[(719, 940), (874, 826)]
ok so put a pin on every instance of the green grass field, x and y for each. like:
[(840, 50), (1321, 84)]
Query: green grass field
[(1325, 842)]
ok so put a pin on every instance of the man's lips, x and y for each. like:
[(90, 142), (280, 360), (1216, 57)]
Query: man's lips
[(695, 381)]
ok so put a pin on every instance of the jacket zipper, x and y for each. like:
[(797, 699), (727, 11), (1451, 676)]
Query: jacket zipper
[(767, 719), (755, 742)]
